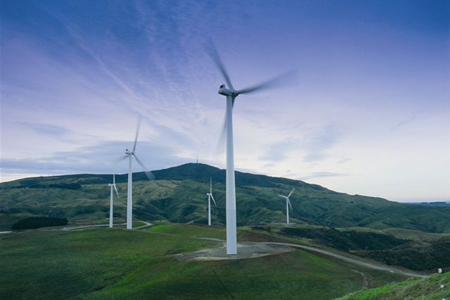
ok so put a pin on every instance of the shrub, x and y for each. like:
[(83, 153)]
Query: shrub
[(38, 222)]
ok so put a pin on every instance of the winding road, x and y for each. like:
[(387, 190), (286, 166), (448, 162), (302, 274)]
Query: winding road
[(353, 260)]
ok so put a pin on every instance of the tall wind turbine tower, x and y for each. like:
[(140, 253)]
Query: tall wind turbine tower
[(130, 154), (230, 94), (210, 196), (113, 188), (288, 204)]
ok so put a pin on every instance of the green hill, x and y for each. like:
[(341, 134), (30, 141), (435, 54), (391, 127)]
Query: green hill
[(129, 264), (412, 289), (178, 195)]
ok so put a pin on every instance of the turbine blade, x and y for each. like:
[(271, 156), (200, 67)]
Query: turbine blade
[(212, 51), (289, 202), (278, 81), (282, 196), (149, 174), (138, 128), (210, 185), (114, 178), (115, 188), (291, 192), (222, 138), (121, 159), (213, 200)]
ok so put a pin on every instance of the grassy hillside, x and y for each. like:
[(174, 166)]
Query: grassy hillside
[(412, 289), (102, 263), (178, 195), (415, 250)]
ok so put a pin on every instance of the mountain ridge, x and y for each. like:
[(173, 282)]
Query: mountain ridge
[(177, 195)]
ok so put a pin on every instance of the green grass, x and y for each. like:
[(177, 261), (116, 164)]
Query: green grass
[(273, 277), (50, 265), (102, 263), (138, 224), (412, 289), (190, 230)]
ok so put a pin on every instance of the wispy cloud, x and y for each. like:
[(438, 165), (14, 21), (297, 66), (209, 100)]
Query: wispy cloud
[(277, 152), (406, 120), (319, 143), (102, 158), (76, 73), (325, 174)]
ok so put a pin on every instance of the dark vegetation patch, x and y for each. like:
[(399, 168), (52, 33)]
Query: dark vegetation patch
[(432, 257), (38, 222), (89, 209), (346, 240), (34, 185), (381, 247)]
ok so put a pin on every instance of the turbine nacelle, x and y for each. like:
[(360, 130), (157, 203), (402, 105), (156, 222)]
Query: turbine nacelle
[(223, 90)]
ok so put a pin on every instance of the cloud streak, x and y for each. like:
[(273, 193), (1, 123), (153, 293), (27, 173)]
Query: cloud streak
[(76, 74), (318, 145)]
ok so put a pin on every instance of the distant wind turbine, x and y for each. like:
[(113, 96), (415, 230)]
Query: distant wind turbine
[(210, 196), (113, 188), (230, 93), (288, 203), (130, 154)]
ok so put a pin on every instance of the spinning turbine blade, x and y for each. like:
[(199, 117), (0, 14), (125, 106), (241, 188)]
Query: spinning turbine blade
[(222, 138), (115, 188), (138, 127), (149, 174), (114, 178), (120, 159), (216, 58), (289, 202), (213, 200), (210, 185), (291, 193), (272, 83)]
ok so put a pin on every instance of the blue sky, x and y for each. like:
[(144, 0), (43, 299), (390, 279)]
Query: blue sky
[(368, 113)]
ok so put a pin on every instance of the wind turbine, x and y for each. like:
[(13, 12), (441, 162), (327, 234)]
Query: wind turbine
[(113, 188), (210, 196), (130, 154), (288, 203), (230, 93)]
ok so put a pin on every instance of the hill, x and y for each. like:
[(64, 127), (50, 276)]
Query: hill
[(178, 195), (129, 264), (412, 289)]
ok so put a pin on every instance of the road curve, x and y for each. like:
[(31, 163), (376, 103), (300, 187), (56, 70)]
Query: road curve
[(375, 266), (355, 261)]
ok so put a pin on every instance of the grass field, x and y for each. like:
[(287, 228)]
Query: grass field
[(412, 289), (106, 263)]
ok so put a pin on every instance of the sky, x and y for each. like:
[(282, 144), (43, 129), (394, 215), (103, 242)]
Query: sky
[(368, 112)]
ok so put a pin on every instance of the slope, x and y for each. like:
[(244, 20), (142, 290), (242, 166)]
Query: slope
[(412, 289), (101, 263), (178, 195)]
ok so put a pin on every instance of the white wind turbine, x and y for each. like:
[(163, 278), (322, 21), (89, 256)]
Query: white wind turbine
[(230, 93), (113, 188), (288, 203), (210, 196), (130, 154)]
